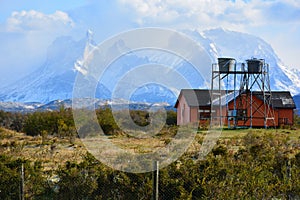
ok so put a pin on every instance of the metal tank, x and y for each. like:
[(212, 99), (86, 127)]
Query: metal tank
[(226, 65), (255, 65)]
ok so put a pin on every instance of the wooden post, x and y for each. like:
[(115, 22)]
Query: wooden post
[(155, 179), (288, 176)]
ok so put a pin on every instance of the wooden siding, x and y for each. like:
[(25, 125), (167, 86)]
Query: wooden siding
[(183, 111)]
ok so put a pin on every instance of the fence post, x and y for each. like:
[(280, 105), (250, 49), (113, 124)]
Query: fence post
[(22, 182), (155, 179)]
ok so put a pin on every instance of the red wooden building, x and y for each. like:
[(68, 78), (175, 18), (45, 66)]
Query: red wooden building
[(194, 106)]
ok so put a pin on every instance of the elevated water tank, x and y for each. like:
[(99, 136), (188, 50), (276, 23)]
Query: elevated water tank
[(226, 64), (255, 65)]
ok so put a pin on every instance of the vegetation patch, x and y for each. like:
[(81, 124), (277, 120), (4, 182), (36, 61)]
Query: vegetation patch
[(244, 164)]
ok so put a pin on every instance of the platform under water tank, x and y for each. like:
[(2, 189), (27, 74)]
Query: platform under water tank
[(226, 64), (255, 65)]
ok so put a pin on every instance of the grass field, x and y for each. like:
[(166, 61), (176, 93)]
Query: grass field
[(53, 151), (230, 133)]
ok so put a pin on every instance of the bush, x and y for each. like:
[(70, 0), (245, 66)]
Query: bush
[(10, 178), (55, 122)]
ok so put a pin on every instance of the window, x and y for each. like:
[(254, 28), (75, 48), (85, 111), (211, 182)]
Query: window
[(204, 114), (231, 114), (242, 114), (284, 121)]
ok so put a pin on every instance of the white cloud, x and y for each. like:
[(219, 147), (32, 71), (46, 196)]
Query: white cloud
[(212, 13), (25, 37), (36, 21)]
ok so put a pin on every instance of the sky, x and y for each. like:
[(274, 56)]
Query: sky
[(28, 27)]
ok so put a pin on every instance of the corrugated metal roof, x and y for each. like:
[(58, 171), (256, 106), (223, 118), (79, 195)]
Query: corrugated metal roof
[(196, 97), (199, 97), (280, 99), (226, 98)]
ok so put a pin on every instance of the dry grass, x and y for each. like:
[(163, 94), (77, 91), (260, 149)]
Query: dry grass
[(139, 145), (56, 151), (52, 153)]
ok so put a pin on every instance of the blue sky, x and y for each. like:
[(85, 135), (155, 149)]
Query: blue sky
[(28, 27)]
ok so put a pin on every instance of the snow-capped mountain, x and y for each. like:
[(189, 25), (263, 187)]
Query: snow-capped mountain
[(118, 104), (243, 46), (19, 107), (55, 79), (51, 81)]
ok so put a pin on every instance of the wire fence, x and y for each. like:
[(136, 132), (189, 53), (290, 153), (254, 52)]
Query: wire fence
[(256, 166), (184, 179)]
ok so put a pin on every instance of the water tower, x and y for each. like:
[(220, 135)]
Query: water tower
[(237, 90)]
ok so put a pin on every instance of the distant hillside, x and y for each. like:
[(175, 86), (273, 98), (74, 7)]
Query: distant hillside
[(91, 103)]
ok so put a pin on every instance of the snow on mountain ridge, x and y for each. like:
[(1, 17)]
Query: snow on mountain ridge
[(292, 74), (55, 79), (242, 46)]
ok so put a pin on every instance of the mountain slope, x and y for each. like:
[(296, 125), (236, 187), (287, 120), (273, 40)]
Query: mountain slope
[(55, 79), (52, 81)]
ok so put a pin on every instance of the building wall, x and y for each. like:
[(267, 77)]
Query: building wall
[(258, 117), (281, 116), (183, 111), (194, 118), (186, 114), (285, 116)]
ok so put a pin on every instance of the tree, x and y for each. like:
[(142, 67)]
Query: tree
[(106, 121)]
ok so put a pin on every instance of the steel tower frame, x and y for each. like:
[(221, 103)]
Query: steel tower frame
[(253, 75)]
